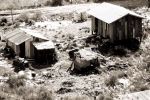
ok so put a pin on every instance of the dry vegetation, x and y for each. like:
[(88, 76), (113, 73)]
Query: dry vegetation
[(117, 75)]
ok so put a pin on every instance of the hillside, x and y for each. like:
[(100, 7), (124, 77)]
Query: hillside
[(20, 4)]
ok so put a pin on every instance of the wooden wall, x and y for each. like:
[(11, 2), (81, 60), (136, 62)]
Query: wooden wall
[(124, 28), (29, 52), (14, 47)]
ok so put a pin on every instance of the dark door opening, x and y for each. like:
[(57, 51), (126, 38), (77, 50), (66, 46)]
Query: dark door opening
[(96, 25), (22, 50)]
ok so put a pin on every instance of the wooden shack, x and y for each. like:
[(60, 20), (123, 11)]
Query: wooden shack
[(45, 52), (31, 45), (115, 23), (18, 41)]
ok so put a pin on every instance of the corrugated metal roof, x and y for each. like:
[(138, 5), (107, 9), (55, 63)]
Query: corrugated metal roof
[(34, 33), (109, 12), (19, 38), (44, 45)]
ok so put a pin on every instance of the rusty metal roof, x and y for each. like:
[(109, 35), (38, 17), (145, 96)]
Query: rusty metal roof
[(110, 13), (44, 45)]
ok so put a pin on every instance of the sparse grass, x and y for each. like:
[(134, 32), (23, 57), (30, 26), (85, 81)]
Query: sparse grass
[(25, 93)]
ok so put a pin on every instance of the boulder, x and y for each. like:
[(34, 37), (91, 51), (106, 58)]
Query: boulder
[(84, 59)]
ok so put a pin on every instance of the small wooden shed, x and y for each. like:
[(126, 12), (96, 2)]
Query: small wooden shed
[(45, 52), (30, 44), (115, 23), (18, 41)]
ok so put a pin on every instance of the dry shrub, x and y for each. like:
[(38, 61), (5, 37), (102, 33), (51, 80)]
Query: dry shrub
[(139, 85), (37, 16), (120, 74), (104, 97), (111, 81), (3, 21), (3, 95), (41, 93), (44, 94), (30, 20), (79, 17), (38, 94), (16, 87), (5, 72), (48, 3), (6, 93), (54, 3), (15, 82), (27, 93), (23, 17)]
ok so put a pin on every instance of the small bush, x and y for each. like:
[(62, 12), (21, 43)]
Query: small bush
[(37, 94), (4, 20), (56, 2), (79, 17), (139, 87), (104, 97), (15, 82), (48, 3), (23, 18), (37, 16), (44, 94), (120, 74), (111, 81)]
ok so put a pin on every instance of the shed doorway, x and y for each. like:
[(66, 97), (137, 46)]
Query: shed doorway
[(22, 50), (96, 25)]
